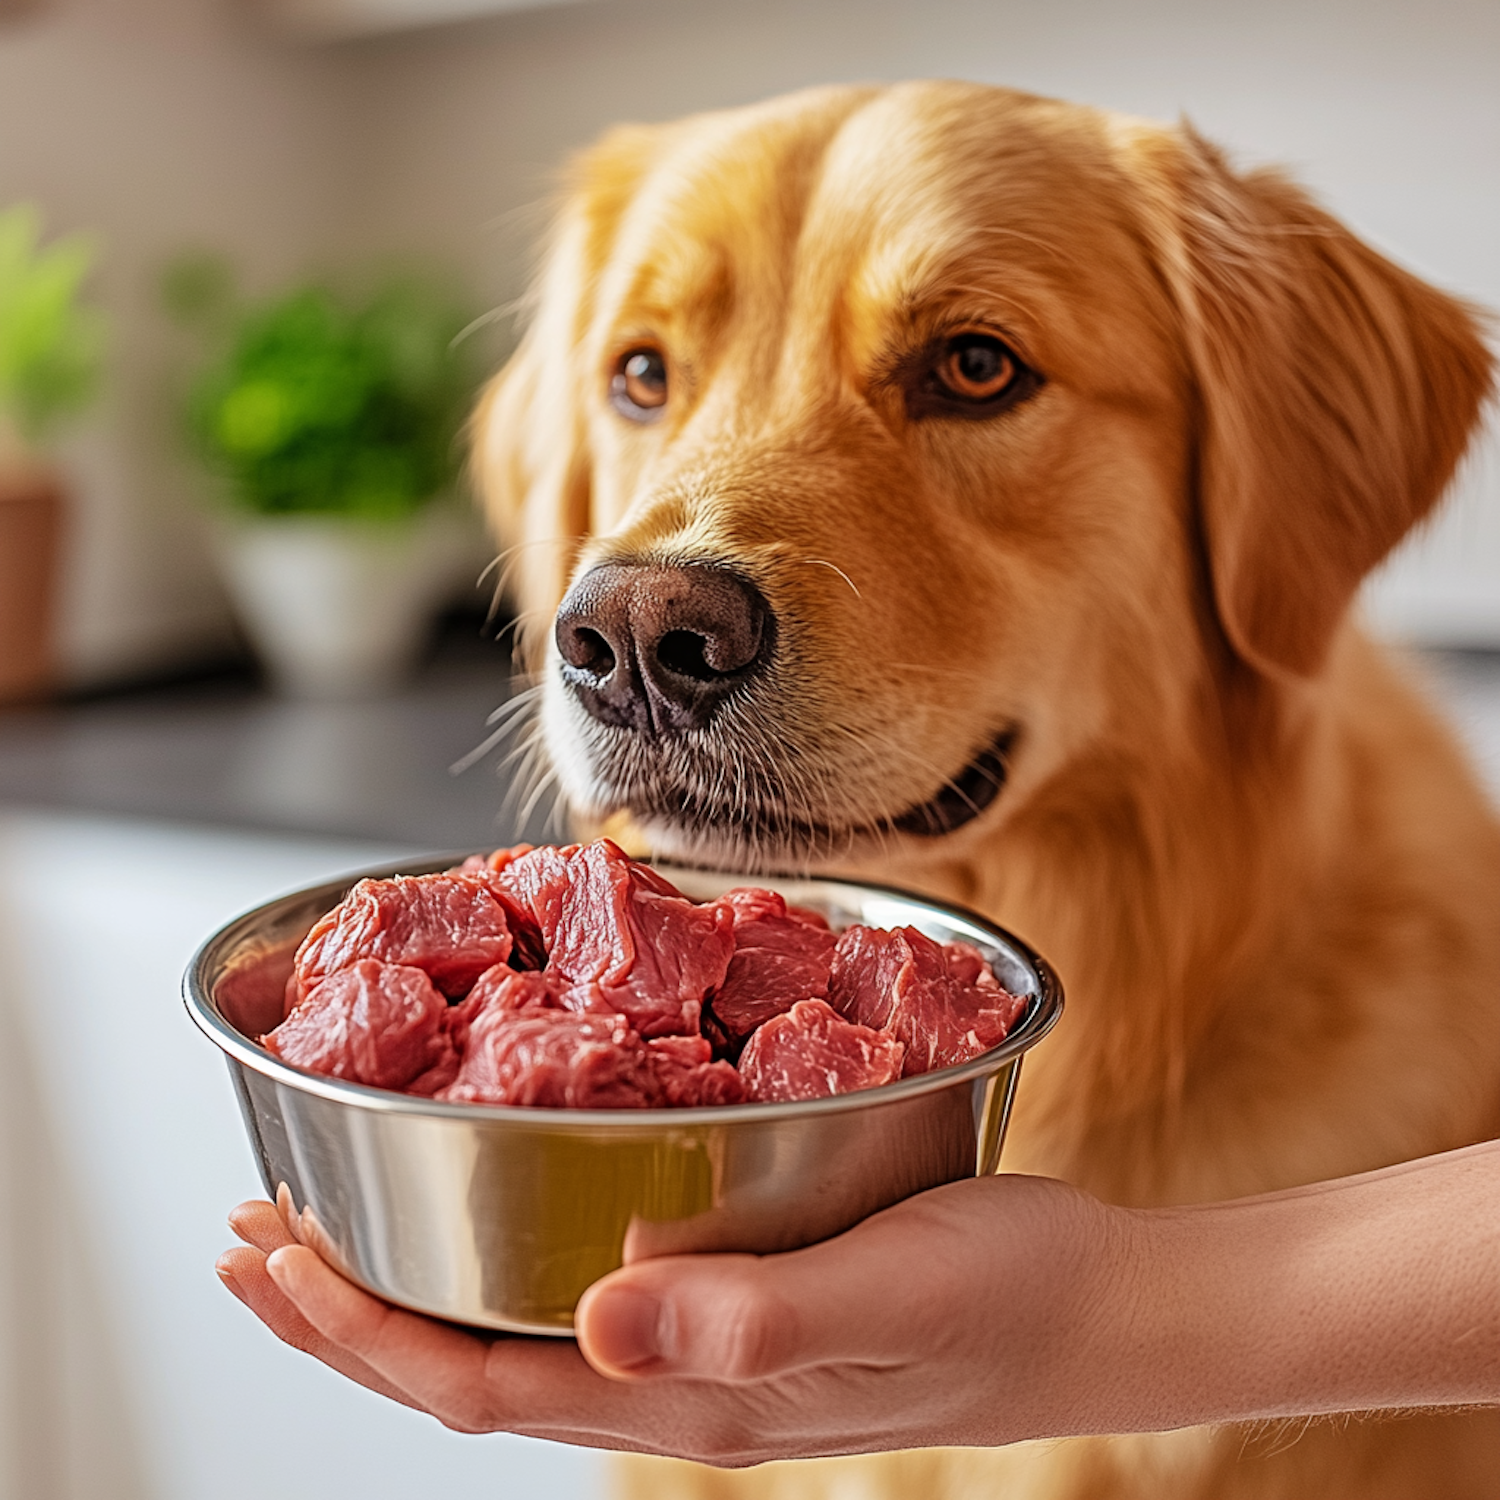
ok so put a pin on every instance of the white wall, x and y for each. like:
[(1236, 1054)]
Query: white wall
[(164, 122), (1390, 109), (160, 124)]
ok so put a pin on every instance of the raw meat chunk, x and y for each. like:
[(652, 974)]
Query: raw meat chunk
[(782, 954), (450, 925), (501, 988), (811, 1052), (681, 951), (375, 1023), (529, 953), (939, 999), (556, 1059), (689, 1076), (512, 989), (497, 860), (431, 1083), (537, 880), (610, 923)]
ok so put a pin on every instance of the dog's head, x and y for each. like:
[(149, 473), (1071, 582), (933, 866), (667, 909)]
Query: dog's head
[(897, 450)]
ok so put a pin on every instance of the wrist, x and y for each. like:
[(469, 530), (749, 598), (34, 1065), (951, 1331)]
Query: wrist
[(1360, 1294), (1086, 1322), (1178, 1319)]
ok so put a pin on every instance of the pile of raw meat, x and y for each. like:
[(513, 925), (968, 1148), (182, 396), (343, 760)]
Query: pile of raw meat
[(577, 978)]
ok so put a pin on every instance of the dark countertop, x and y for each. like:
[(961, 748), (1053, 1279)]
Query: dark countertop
[(219, 749)]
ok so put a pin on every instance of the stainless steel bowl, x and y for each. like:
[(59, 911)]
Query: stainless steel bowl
[(502, 1217)]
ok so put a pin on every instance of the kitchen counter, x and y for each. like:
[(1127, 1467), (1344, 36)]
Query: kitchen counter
[(221, 750)]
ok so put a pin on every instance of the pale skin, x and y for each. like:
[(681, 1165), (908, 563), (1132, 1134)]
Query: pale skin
[(978, 1314)]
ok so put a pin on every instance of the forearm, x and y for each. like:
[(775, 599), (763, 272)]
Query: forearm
[(1369, 1292)]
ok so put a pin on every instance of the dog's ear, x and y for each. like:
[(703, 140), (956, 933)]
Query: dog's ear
[(1335, 395), (529, 438)]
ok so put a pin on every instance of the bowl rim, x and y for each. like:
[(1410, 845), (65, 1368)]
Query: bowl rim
[(1042, 1013)]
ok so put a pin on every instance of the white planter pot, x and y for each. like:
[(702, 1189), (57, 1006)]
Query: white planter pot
[(338, 608)]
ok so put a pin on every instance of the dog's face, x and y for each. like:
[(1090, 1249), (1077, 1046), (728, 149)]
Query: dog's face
[(908, 450)]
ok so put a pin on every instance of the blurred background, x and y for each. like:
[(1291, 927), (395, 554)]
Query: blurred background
[(255, 256)]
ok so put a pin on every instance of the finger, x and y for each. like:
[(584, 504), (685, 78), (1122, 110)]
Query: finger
[(440, 1368), (539, 1387), (225, 1272), (243, 1272), (258, 1223), (533, 1386)]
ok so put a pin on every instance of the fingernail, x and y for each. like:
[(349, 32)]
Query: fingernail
[(628, 1329), (227, 1277)]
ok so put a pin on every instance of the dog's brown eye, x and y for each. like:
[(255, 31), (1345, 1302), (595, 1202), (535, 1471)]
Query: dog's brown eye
[(972, 375), (639, 385), (977, 367)]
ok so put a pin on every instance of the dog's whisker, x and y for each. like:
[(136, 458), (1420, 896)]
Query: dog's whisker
[(531, 753), (966, 675), (527, 755), (483, 748), (500, 564), (822, 562), (517, 753), (523, 701), (507, 554), (547, 779), (557, 818), (531, 780), (478, 753), (484, 320), (504, 720)]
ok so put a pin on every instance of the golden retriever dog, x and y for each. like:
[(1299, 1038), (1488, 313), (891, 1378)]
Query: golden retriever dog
[(968, 490)]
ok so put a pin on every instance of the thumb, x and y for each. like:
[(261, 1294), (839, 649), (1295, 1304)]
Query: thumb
[(889, 1291), (713, 1316), (748, 1317)]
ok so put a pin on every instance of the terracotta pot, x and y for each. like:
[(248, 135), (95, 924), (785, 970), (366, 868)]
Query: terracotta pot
[(31, 517)]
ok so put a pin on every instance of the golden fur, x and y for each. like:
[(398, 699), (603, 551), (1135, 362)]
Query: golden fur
[(1263, 870)]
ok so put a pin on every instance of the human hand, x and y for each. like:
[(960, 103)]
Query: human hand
[(966, 1315)]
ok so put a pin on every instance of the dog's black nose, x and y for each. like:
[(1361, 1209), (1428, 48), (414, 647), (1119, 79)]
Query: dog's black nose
[(656, 648)]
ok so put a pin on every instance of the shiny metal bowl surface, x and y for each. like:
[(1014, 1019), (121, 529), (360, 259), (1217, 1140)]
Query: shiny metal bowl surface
[(501, 1217)]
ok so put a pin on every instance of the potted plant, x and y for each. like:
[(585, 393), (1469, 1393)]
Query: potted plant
[(331, 421), (50, 353)]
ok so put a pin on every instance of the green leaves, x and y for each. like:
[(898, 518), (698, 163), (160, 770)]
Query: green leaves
[(323, 403), (51, 344)]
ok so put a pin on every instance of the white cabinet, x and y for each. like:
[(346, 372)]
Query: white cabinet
[(126, 1371)]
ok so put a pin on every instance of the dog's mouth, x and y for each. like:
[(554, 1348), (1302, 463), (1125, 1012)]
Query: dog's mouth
[(685, 817), (963, 797), (668, 701)]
